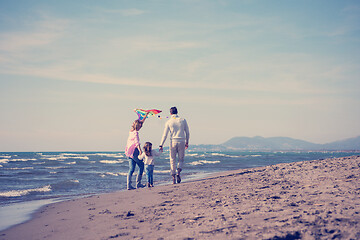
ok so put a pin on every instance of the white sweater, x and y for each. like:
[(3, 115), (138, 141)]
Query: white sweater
[(178, 129), (149, 160)]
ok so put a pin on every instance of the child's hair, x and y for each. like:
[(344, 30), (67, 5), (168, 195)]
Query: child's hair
[(147, 148)]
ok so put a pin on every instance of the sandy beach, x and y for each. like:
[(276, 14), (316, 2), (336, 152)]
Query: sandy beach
[(317, 199)]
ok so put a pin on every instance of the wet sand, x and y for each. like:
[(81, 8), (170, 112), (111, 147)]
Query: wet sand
[(317, 199)]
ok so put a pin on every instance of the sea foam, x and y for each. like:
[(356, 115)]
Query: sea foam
[(111, 161), (18, 193), (4, 161), (22, 160), (112, 155), (202, 162), (21, 168), (113, 174), (224, 155)]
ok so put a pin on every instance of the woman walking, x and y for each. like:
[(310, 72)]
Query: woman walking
[(132, 151)]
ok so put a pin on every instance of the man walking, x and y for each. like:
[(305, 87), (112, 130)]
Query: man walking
[(179, 141)]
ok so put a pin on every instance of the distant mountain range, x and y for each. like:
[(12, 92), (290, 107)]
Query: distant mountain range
[(279, 144)]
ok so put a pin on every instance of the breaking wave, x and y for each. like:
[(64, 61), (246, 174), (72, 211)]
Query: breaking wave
[(224, 155), (111, 161), (202, 162), (18, 193), (113, 174)]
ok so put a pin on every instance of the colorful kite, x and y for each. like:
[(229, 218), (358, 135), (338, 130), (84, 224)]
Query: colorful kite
[(142, 113)]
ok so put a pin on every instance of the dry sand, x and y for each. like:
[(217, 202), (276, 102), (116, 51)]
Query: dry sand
[(304, 200)]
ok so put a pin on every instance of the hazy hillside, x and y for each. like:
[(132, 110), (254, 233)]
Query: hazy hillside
[(347, 144), (285, 143), (279, 144), (273, 143)]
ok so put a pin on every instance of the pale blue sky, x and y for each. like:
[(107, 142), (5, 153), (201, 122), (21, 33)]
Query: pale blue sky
[(71, 72)]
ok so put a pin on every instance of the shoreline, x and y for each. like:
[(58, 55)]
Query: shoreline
[(305, 199), (23, 212)]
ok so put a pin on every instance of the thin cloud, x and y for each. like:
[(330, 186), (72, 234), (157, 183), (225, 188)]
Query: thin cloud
[(21, 41), (223, 71), (124, 12), (352, 9), (65, 73), (153, 44), (40, 33)]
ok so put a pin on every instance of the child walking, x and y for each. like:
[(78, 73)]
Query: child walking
[(149, 159)]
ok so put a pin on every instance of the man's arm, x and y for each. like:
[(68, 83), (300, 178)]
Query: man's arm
[(163, 139), (187, 134)]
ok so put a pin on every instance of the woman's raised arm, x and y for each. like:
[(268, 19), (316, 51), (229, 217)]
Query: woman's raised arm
[(143, 120)]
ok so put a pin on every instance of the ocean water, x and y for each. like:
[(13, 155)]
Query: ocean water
[(36, 177)]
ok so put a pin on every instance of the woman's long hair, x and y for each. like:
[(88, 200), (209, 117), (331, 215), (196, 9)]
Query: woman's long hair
[(148, 148), (137, 124)]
